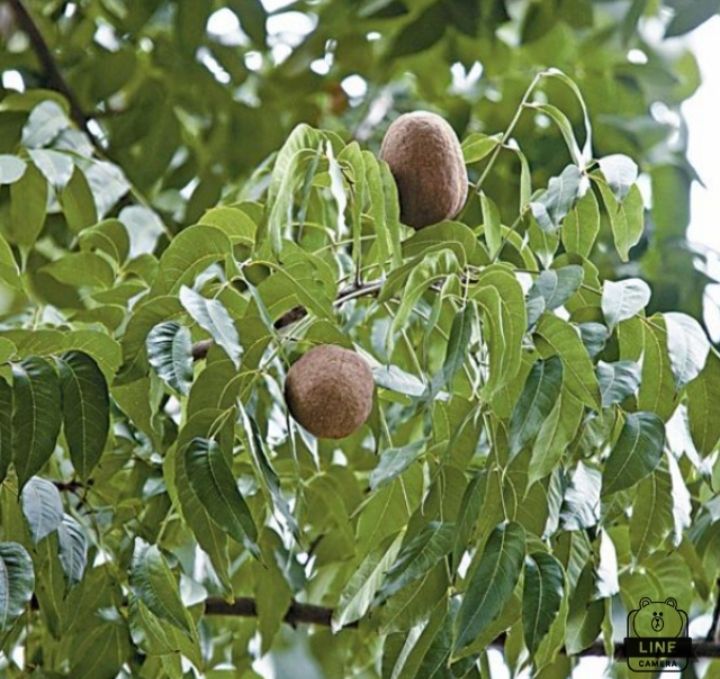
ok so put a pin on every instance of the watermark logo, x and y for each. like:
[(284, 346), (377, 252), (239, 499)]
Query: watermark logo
[(657, 637)]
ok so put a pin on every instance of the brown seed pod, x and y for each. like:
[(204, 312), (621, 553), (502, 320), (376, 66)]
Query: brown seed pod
[(425, 157), (329, 391)]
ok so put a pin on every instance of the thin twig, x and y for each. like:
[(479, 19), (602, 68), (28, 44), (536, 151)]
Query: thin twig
[(55, 79), (200, 349)]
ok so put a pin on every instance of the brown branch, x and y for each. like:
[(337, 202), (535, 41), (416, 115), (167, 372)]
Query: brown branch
[(309, 614), (297, 613), (200, 349), (55, 79)]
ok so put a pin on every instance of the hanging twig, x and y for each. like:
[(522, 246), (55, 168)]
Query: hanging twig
[(55, 79)]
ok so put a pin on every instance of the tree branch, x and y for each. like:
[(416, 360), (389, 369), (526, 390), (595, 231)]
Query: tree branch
[(200, 349), (55, 79)]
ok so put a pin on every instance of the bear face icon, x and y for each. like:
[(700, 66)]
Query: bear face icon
[(659, 619)]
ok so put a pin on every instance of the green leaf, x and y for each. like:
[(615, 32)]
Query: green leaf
[(578, 374), (36, 415), (553, 204), (17, 582), (11, 168), (45, 122), (393, 462), (189, 253), (478, 145), (581, 504), (455, 354), (688, 347), (28, 206), (212, 316), (86, 410), (703, 393), (72, 549), (624, 299), (110, 237), (565, 127), (153, 583), (652, 515), (169, 348), (9, 272), (636, 453), (214, 484), (617, 380), (657, 385), (78, 203), (256, 447), (42, 507), (626, 218), (556, 433), (358, 594), (81, 269), (620, 173), (490, 582), (492, 226), (581, 226), (101, 650), (543, 588), (56, 166), (557, 286), (417, 557), (6, 410), (541, 391)]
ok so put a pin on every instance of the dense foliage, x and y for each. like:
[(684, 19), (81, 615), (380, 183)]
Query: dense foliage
[(176, 230)]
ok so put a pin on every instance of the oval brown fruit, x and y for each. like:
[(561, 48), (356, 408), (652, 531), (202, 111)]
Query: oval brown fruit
[(329, 391), (425, 158)]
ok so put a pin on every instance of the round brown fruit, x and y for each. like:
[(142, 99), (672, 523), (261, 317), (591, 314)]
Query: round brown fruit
[(329, 391), (425, 158)]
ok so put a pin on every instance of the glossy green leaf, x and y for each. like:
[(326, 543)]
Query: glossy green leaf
[(562, 339), (82, 269), (393, 462), (36, 415), (28, 206), (581, 225), (212, 316), (418, 556), (491, 225), (212, 480), (703, 392), (688, 346), (17, 581), (626, 218), (72, 549), (86, 410), (557, 286), (78, 202), (169, 349), (153, 583), (624, 299), (538, 397), (617, 380), (477, 146), (358, 594), (42, 507), (552, 206), (636, 453), (11, 168), (620, 173), (490, 582), (543, 587)]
